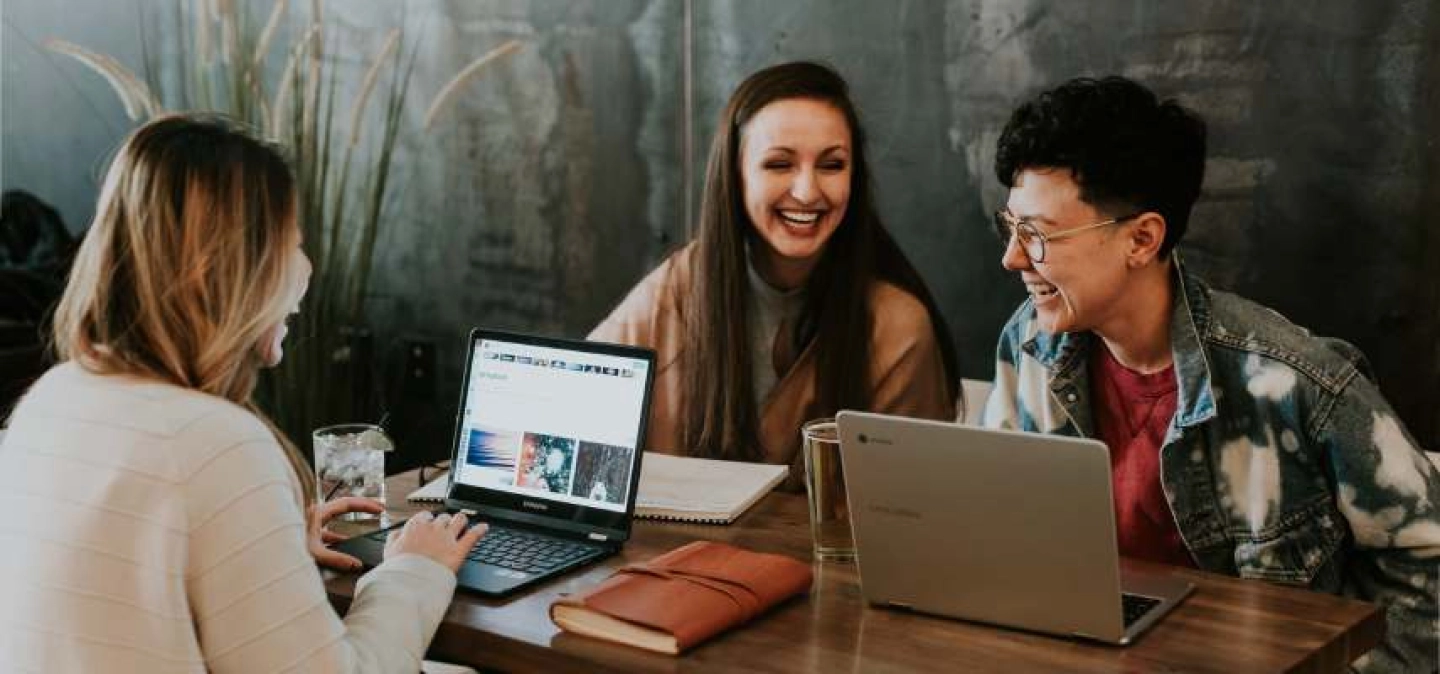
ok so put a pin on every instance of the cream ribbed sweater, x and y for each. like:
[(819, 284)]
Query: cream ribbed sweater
[(150, 528)]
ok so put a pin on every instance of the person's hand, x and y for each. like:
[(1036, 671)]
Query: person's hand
[(442, 538), (318, 538)]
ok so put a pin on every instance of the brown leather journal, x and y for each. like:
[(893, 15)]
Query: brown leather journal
[(682, 597)]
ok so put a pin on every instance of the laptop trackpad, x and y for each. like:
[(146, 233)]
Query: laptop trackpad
[(489, 578)]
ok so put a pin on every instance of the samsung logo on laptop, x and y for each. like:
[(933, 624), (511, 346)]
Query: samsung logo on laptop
[(534, 506), (894, 511)]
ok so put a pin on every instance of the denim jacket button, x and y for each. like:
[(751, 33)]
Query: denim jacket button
[(1070, 397)]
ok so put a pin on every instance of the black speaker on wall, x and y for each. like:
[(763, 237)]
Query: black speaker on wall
[(419, 424)]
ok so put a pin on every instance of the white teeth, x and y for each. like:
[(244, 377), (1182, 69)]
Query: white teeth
[(801, 217), (1041, 289)]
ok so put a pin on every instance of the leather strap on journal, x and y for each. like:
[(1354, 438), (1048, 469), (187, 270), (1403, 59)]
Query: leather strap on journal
[(745, 598)]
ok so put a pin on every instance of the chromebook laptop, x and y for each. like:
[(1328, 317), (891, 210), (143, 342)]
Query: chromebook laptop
[(547, 452), (1014, 529)]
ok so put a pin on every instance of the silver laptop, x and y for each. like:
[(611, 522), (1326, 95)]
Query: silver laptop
[(1009, 528)]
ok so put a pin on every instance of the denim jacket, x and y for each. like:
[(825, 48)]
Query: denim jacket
[(1283, 461)]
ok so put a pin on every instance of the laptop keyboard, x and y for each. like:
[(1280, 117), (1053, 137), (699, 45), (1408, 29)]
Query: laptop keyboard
[(524, 551), (1136, 606), (521, 550)]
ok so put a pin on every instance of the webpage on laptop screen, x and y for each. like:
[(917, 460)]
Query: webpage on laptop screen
[(552, 423)]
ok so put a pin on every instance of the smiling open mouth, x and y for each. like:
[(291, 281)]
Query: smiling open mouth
[(800, 218), (1041, 290)]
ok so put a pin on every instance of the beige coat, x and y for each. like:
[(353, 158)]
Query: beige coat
[(906, 368)]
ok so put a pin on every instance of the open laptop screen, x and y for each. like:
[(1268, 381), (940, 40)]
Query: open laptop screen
[(551, 428)]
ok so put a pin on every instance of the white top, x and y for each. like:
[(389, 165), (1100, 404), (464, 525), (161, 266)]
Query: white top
[(150, 528)]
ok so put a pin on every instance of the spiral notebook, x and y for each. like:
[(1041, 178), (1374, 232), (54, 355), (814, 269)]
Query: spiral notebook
[(679, 488), (434, 491), (687, 489)]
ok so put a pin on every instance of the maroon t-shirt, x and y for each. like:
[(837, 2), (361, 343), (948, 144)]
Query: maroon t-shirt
[(1132, 412)]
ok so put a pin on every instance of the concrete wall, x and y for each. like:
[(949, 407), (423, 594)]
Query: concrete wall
[(562, 176)]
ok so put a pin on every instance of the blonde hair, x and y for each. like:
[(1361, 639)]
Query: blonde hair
[(185, 269)]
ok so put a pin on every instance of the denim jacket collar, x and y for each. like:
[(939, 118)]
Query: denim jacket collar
[(1189, 323)]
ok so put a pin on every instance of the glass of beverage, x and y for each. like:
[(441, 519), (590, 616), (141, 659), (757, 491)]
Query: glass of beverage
[(825, 487), (350, 461)]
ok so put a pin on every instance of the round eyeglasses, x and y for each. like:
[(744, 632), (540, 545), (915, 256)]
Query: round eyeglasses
[(1032, 240)]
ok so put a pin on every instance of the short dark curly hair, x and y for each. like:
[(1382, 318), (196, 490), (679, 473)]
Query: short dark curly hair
[(1127, 149)]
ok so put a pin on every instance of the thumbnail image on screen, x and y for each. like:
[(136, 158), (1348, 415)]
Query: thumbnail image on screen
[(495, 450), (602, 472), (546, 462)]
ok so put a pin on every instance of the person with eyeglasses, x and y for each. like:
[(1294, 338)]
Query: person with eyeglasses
[(1240, 443)]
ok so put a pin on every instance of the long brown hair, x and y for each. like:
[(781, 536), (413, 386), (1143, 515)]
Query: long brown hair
[(185, 268), (721, 417)]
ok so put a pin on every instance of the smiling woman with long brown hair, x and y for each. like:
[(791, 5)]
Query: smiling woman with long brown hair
[(793, 301), (154, 519)]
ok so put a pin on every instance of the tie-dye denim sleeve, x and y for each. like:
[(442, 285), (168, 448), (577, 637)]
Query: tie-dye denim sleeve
[(1002, 407), (1390, 494)]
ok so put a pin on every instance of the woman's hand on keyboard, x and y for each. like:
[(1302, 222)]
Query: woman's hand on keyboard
[(443, 538)]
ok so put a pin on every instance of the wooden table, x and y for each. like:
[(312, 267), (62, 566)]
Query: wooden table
[(1227, 625)]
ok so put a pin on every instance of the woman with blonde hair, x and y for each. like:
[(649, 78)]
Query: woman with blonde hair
[(155, 521)]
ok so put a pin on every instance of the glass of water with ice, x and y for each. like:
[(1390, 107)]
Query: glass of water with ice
[(350, 461)]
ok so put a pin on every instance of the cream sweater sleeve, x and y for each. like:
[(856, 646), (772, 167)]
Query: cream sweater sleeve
[(256, 596)]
